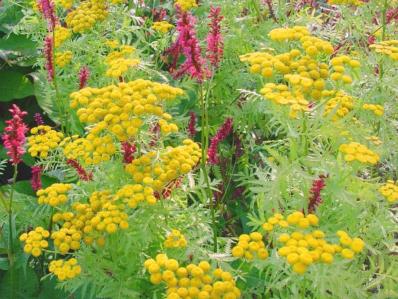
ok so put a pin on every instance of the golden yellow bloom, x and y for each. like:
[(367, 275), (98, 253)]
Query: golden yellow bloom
[(388, 48), (162, 26), (356, 151), (86, 15), (35, 241), (63, 58), (54, 195), (185, 4), (390, 191), (61, 34), (65, 270), (43, 140), (175, 239), (378, 110)]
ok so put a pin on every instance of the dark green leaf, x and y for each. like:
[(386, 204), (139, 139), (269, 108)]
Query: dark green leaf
[(14, 85), (18, 43)]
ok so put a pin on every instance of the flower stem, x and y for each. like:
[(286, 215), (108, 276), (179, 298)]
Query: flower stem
[(10, 233), (204, 140), (383, 31)]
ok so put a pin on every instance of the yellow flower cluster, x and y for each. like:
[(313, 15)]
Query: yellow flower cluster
[(389, 48), (350, 246), (102, 214), (112, 43), (90, 150), (356, 151), (340, 104), (175, 239), (283, 34), (390, 191), (86, 15), (162, 26), (375, 140), (65, 269), (185, 4), (63, 58), (66, 4), (43, 140), (54, 195), (301, 250), (276, 219), (378, 110), (134, 194), (345, 2), (193, 281), (61, 34), (35, 241), (66, 239), (172, 163), (119, 61), (313, 45), (250, 247), (121, 108), (280, 94), (338, 68)]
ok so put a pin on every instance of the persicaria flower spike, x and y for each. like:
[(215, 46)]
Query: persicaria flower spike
[(83, 76), (192, 124), (222, 133), (315, 193), (83, 175), (128, 152), (48, 55), (36, 177), (215, 43), (187, 45), (14, 135), (38, 119), (47, 8)]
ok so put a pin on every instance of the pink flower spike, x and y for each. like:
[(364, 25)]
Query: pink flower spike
[(38, 119), (128, 152), (192, 124), (14, 135), (48, 11), (187, 45), (36, 178), (83, 175), (48, 55), (84, 74), (215, 43), (315, 193), (222, 133)]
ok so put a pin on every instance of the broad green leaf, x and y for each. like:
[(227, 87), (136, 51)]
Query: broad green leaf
[(18, 43), (14, 85)]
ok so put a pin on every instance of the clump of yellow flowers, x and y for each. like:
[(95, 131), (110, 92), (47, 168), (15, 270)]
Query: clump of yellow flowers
[(250, 247), (340, 104), (65, 269), (121, 109), (294, 33), (313, 45), (162, 26), (301, 247), (389, 48), (378, 110), (43, 140), (66, 239), (375, 140), (172, 163), (86, 15), (356, 151), (345, 2), (63, 58), (338, 66), (185, 4), (133, 194), (66, 4), (119, 61), (54, 195), (175, 239), (61, 34), (192, 281), (390, 191), (35, 241)]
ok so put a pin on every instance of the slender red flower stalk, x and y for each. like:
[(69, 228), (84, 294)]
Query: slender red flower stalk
[(47, 8), (187, 45), (38, 119), (128, 152), (192, 124), (36, 177), (14, 135), (222, 133), (215, 43), (315, 193), (84, 74), (82, 173), (48, 55)]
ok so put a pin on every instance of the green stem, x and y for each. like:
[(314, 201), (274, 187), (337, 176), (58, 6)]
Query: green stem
[(10, 233), (204, 141), (383, 32)]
